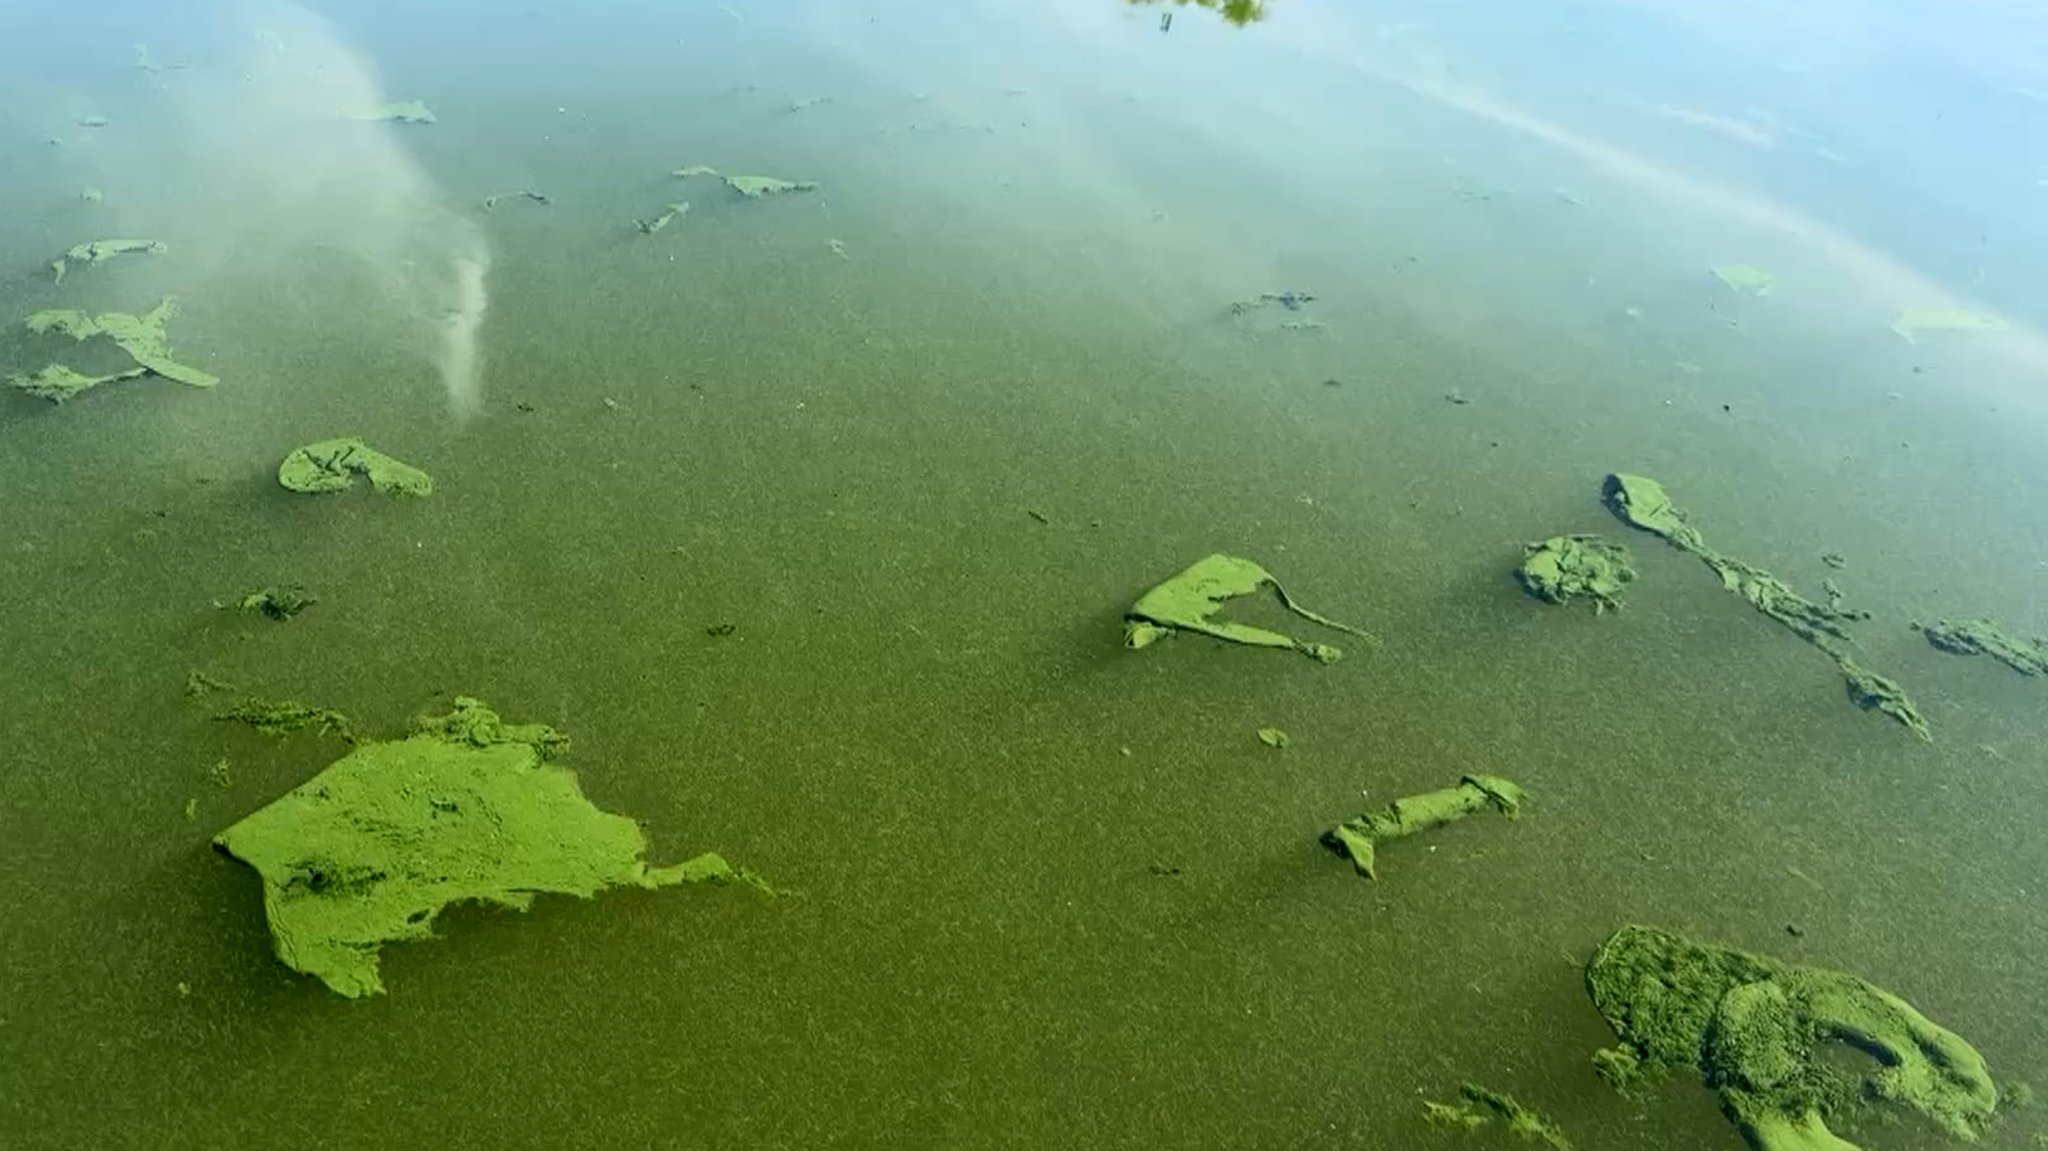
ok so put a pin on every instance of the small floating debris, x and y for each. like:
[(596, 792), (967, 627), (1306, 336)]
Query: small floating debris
[(752, 187), (278, 603), (100, 251), (795, 106), (333, 465), (1746, 278), (1275, 738), (407, 112), (668, 215), (1984, 637), (93, 121), (1563, 568), (1914, 321), (91, 196), (1293, 301), (491, 202), (1358, 839), (1190, 601), (838, 248), (145, 63)]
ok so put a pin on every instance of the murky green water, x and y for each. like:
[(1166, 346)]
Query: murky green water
[(923, 473)]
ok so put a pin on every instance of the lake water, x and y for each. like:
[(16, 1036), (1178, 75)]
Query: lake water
[(919, 436)]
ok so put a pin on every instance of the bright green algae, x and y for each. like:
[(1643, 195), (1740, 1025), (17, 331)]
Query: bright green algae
[(1564, 568), (1190, 601), (333, 465), (1358, 839), (1643, 503), (1764, 1033), (466, 809), (142, 337)]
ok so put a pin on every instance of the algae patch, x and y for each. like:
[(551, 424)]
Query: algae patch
[(403, 112), (1912, 322), (752, 187), (1564, 568), (668, 215), (1765, 1035), (1520, 1120), (141, 337), (1746, 278), (1358, 839), (1984, 637), (1643, 503), (1190, 601), (279, 603), (333, 465), (100, 251), (466, 809)]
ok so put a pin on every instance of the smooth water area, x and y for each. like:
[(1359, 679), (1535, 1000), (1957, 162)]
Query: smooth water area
[(919, 436)]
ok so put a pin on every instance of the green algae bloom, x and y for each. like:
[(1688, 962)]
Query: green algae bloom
[(1984, 637), (142, 337), (1359, 839), (100, 251), (1746, 278), (1564, 568), (1764, 1034), (466, 809), (752, 187), (333, 465), (1190, 600), (404, 112), (1643, 503)]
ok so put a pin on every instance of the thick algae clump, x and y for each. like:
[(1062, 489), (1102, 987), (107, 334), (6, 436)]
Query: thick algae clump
[(333, 465), (370, 850), (1564, 568), (1190, 601), (1770, 1038), (1984, 637), (1643, 503)]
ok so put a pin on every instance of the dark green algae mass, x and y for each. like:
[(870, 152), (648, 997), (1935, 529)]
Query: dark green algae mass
[(467, 808), (1773, 1040)]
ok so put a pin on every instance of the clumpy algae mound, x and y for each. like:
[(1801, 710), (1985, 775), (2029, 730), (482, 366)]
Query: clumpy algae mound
[(333, 465), (1775, 1040), (466, 809), (1564, 568)]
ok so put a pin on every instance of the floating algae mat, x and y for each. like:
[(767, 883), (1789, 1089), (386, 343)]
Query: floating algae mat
[(466, 809), (333, 465), (1983, 637), (1477, 1105), (142, 337), (752, 187), (1358, 839), (404, 112), (1769, 1037), (100, 251), (1190, 601), (1564, 568), (1642, 502), (1914, 321), (1746, 278)]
